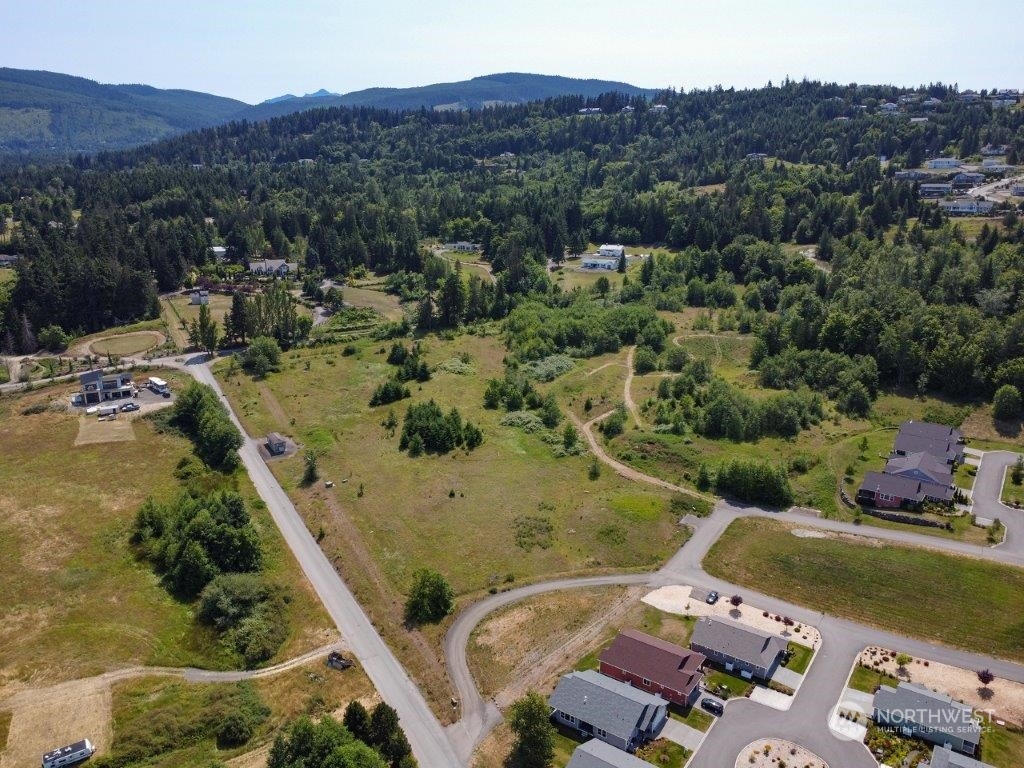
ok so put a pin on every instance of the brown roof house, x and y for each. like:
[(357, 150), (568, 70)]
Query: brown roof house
[(655, 666), (739, 648)]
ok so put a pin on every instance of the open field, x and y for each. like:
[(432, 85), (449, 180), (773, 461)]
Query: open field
[(979, 607), (80, 601), (310, 689), (570, 277), (182, 308), (157, 327), (462, 513), (127, 344), (387, 304)]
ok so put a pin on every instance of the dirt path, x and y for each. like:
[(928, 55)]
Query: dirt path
[(602, 367), (621, 469), (273, 406), (627, 390)]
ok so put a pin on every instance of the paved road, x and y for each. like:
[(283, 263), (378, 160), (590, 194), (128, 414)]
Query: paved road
[(988, 487), (429, 743)]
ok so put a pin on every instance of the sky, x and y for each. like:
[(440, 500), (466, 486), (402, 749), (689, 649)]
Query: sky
[(256, 50)]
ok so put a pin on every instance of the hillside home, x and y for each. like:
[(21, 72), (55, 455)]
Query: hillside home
[(8, 259), (968, 179), (659, 108), (462, 247), (612, 251), (940, 440), (97, 387), (913, 174), (199, 297), (737, 647), (918, 712), (931, 103), (606, 709), (273, 268), (943, 162), (966, 206), (597, 754), (655, 666), (219, 253), (990, 150), (969, 97), (1017, 190), (935, 189), (895, 492)]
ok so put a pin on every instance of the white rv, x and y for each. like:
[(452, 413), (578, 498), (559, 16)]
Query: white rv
[(69, 755), (158, 385)]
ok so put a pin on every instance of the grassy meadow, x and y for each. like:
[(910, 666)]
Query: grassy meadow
[(978, 608), (78, 601)]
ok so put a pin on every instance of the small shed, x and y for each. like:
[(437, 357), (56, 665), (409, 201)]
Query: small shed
[(276, 444)]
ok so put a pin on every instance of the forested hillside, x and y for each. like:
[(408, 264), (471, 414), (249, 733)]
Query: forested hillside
[(907, 298), (51, 113)]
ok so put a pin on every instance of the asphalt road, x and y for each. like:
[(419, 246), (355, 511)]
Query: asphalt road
[(430, 745), (988, 487)]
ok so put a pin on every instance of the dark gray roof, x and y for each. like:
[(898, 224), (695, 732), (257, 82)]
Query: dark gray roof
[(605, 703), (905, 487), (926, 708), (946, 449), (936, 469), (944, 757), (597, 754), (739, 641)]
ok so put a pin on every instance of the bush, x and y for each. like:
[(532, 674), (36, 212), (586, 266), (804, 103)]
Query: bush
[(53, 338), (1006, 404), (262, 357), (234, 731), (548, 368), (199, 414), (390, 391), (645, 360), (430, 599)]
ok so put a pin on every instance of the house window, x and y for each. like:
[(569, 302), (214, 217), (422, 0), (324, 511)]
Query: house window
[(646, 681), (602, 732), (571, 719)]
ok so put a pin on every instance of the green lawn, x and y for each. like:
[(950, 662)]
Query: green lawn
[(979, 607), (1002, 746), (1013, 494), (695, 717), (665, 753), (800, 658), (717, 678), (867, 680)]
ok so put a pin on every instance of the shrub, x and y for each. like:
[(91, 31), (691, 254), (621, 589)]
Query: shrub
[(1006, 404), (548, 368), (390, 391), (430, 599), (755, 481), (262, 357), (645, 360), (53, 338)]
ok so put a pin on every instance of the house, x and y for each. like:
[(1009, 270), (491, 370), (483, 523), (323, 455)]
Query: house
[(612, 251), (219, 253), (886, 491), (8, 259), (940, 440), (596, 262), (969, 97), (943, 162), (756, 156), (935, 189), (627, 109), (990, 150), (968, 179), (1000, 102), (920, 466), (737, 647), (462, 247), (944, 757), (931, 103), (659, 107), (915, 120), (273, 267), (597, 754), (276, 444), (590, 111), (199, 297), (655, 666), (966, 206), (1017, 190), (97, 387), (913, 174), (918, 712), (888, 108), (616, 713), (993, 165)]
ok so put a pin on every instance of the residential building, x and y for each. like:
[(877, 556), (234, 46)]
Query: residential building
[(596, 262), (273, 267), (1002, 102), (935, 189), (597, 754), (990, 150), (969, 97), (940, 440), (915, 120), (887, 491), (614, 712), (944, 757), (993, 165), (737, 647), (968, 179), (199, 297), (590, 111), (219, 253), (888, 108), (276, 444), (757, 156), (462, 247), (612, 251), (627, 109), (1017, 190), (967, 206), (8, 259), (943, 162), (931, 103), (97, 387), (659, 107), (918, 712), (920, 466), (655, 666)]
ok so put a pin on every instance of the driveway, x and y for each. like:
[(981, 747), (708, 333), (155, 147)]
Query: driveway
[(988, 487), (788, 678)]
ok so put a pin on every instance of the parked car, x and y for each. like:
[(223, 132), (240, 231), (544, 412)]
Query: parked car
[(714, 707), (712, 597), (130, 407)]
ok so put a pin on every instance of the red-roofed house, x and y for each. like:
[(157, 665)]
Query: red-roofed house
[(655, 666)]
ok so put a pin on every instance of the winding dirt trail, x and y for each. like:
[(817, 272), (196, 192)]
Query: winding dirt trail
[(627, 390)]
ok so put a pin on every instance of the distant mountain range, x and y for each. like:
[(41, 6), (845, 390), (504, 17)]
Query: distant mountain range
[(51, 113)]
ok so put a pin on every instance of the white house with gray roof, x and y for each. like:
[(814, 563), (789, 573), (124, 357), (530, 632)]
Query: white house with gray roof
[(614, 712), (944, 757), (919, 712), (597, 754), (737, 647)]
